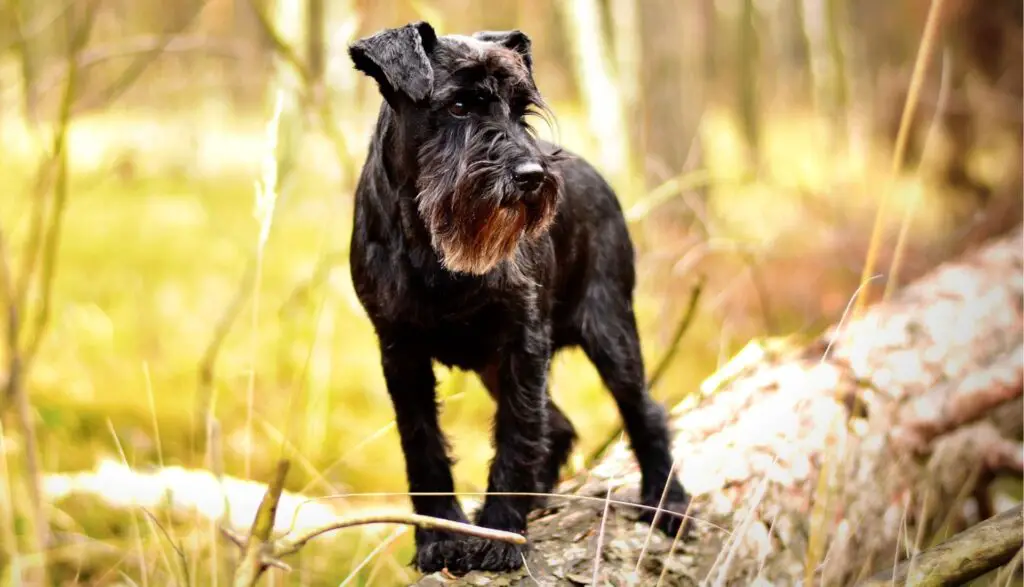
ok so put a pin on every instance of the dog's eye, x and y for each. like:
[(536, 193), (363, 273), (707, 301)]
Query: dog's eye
[(458, 108)]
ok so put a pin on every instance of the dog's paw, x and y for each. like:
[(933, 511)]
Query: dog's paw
[(433, 555), (464, 554), (676, 516)]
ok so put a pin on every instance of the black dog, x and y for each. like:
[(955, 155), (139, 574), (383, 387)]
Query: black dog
[(483, 248)]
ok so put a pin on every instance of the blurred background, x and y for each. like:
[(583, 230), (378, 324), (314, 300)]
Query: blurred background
[(176, 290)]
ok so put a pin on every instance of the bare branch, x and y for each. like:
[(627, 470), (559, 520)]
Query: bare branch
[(260, 552), (677, 337), (174, 545), (51, 244), (258, 546), (30, 30), (132, 73), (235, 538), (280, 46), (323, 108), (146, 44), (44, 246), (287, 546), (220, 332), (7, 289)]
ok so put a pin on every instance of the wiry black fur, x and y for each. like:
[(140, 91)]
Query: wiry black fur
[(439, 171)]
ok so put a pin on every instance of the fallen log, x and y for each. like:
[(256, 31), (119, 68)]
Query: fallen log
[(964, 557), (819, 465)]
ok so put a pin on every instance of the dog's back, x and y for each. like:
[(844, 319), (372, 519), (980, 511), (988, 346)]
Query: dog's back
[(593, 247)]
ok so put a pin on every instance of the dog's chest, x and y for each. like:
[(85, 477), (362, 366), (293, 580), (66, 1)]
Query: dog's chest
[(462, 331)]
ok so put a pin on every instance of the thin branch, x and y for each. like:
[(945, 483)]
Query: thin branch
[(678, 185), (174, 545), (223, 327), (260, 552), (749, 259), (258, 545), (309, 98), (51, 243), (39, 26), (288, 546), (23, 281), (666, 360), (20, 359), (968, 555), (548, 495), (11, 307), (132, 73), (146, 44), (279, 45), (174, 44), (677, 337)]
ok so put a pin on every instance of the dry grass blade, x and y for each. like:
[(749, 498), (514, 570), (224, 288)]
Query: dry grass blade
[(384, 545), (600, 534), (931, 31), (901, 240), (9, 538)]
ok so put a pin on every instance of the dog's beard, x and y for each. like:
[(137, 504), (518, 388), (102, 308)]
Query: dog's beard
[(474, 213)]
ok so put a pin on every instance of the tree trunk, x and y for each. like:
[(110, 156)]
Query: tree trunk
[(672, 89), (825, 464)]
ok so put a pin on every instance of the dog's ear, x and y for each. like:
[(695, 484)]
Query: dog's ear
[(514, 39), (397, 59)]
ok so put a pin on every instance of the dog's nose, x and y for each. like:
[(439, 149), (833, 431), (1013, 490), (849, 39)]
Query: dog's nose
[(528, 176)]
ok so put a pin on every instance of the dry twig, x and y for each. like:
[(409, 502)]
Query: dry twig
[(260, 552)]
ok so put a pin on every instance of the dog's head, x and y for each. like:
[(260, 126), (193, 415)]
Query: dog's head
[(461, 105)]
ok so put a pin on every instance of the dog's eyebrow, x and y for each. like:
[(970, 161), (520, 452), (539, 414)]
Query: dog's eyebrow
[(470, 72)]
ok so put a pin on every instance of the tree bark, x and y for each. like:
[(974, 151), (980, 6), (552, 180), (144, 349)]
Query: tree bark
[(825, 464), (965, 557)]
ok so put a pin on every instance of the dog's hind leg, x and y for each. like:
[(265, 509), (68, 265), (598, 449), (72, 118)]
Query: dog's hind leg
[(561, 435), (609, 338)]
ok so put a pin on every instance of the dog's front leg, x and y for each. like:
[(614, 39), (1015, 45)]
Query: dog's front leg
[(521, 445), (411, 385)]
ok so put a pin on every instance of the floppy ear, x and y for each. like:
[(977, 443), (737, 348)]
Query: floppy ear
[(397, 59), (514, 39)]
